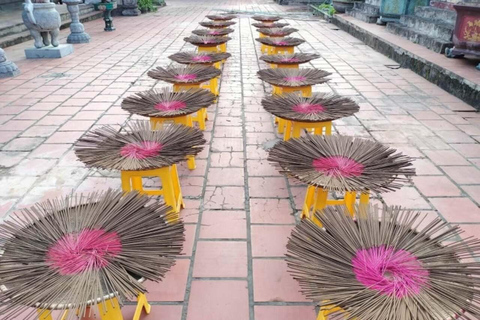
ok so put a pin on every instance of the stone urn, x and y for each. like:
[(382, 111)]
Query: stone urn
[(42, 19), (466, 35)]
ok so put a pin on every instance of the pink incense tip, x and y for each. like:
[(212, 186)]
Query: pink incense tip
[(295, 79), (290, 60), (84, 251), (170, 105), (338, 166), (281, 43), (214, 32), (186, 77), (145, 149), (308, 108), (391, 272), (201, 58)]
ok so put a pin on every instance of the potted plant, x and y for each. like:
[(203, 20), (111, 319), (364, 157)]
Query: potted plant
[(145, 5)]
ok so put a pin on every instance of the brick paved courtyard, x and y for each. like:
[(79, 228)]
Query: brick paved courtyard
[(240, 210)]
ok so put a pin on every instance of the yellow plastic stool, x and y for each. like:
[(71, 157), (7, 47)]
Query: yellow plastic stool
[(185, 86), (171, 192), (284, 66), (305, 90), (293, 129), (108, 310), (278, 50), (209, 49), (326, 310), (316, 199), (186, 120), (212, 85)]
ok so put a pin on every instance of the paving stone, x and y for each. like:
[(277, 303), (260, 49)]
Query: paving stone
[(220, 259)]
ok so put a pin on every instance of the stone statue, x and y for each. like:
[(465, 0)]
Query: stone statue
[(41, 19), (7, 68)]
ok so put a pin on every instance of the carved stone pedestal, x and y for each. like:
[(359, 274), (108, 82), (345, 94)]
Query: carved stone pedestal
[(7, 68), (78, 34)]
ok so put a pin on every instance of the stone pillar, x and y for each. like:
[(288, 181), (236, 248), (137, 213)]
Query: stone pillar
[(7, 68), (78, 34), (130, 8)]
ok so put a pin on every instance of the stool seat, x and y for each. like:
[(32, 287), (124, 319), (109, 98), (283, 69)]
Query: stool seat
[(284, 65), (293, 129)]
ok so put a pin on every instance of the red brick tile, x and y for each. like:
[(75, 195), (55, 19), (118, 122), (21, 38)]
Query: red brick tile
[(15, 186), (44, 106), (261, 168), (5, 206), (469, 230), (455, 136), (157, 312), (227, 144), (228, 132), (65, 111), (65, 137), (16, 125), (284, 312), (273, 211), (463, 174), (6, 136), (457, 209), (267, 187), (425, 167), (23, 144), (406, 197), (272, 282), (223, 225), (31, 115), (473, 191), (53, 120), (220, 259), (224, 198), (437, 125), (50, 151), (190, 231), (39, 131), (436, 186), (270, 241), (446, 157), (256, 152), (77, 125), (91, 184), (218, 300), (33, 167), (226, 159), (172, 287), (468, 150), (191, 186), (225, 176)]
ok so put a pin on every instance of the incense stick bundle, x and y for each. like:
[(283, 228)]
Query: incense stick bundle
[(166, 103), (293, 77), (277, 32), (270, 25), (266, 18), (318, 108), (342, 163), (193, 57), (206, 41), (281, 42), (295, 58), (386, 265), (186, 74), (140, 148), (213, 32), (224, 17), (75, 251), (216, 24)]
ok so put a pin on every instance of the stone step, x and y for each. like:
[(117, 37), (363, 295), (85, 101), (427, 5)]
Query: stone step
[(432, 13), (415, 36), (19, 26), (363, 16), (432, 28), (367, 8), (23, 36)]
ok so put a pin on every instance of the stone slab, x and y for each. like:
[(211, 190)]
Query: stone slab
[(49, 52)]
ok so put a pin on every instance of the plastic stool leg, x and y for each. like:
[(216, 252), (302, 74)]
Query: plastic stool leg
[(142, 303), (288, 130), (44, 314), (308, 203), (110, 310)]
